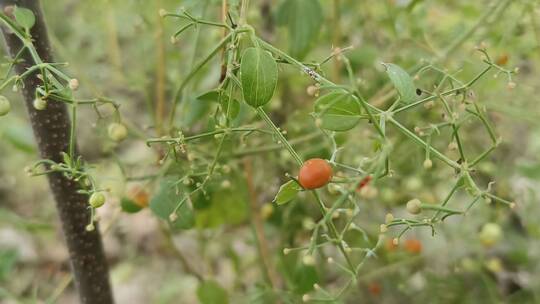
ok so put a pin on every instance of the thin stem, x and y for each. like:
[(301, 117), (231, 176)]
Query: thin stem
[(192, 73), (419, 141), (280, 135)]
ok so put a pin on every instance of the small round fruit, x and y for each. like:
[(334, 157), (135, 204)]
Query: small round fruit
[(139, 196), (374, 288), (117, 131), (5, 106), (414, 206), (413, 246), (96, 200), (315, 173), (73, 84), (40, 104), (490, 234)]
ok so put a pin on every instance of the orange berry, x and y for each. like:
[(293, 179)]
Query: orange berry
[(502, 59), (374, 288), (315, 173), (139, 196), (413, 246)]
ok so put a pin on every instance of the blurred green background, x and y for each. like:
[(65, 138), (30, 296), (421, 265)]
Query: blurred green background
[(122, 50)]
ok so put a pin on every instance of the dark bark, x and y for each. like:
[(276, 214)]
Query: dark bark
[(52, 130)]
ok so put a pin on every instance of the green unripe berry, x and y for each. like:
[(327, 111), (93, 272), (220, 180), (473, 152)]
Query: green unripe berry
[(5, 106), (414, 206), (96, 200), (490, 234), (117, 131), (40, 104)]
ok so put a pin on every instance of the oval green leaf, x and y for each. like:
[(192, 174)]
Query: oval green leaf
[(210, 292), (402, 81), (303, 19), (338, 111), (221, 98), (287, 192), (259, 75), (24, 17), (167, 200), (129, 206)]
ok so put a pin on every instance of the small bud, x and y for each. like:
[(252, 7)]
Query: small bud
[(395, 241), (173, 217), (266, 211), (96, 200), (312, 90), (428, 164), (452, 146), (494, 265), (308, 260), (414, 206), (73, 84), (305, 298), (490, 234), (316, 286), (318, 122), (226, 169), (162, 12), (226, 184), (187, 181), (428, 105), (40, 104), (117, 131), (5, 106), (383, 228), (286, 251), (511, 85), (90, 227), (388, 218), (330, 260), (512, 205), (173, 40)]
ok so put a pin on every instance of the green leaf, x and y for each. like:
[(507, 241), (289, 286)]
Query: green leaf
[(210, 292), (259, 75), (304, 278), (129, 206), (231, 105), (212, 96), (170, 197), (287, 192), (338, 111), (218, 96), (19, 135), (24, 17), (303, 19), (402, 81)]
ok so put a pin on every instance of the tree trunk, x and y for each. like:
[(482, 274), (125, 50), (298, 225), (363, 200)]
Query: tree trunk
[(52, 132)]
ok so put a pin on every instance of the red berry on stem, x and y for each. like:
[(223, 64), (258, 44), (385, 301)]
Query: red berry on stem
[(315, 173)]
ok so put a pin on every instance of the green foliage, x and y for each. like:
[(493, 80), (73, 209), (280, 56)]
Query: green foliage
[(338, 111), (402, 81), (303, 19), (129, 206), (210, 292), (287, 192), (224, 206), (259, 74), (24, 17), (170, 204)]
